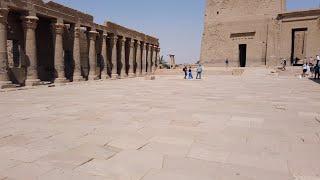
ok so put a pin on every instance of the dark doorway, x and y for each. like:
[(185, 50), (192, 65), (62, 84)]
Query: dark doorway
[(298, 48), (45, 49), (242, 55)]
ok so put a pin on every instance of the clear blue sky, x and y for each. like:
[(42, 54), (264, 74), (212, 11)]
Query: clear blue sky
[(177, 23)]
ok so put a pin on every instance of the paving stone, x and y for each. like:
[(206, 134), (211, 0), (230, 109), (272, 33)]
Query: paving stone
[(248, 128)]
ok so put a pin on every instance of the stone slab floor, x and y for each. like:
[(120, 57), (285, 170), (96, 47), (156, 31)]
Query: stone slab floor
[(254, 127)]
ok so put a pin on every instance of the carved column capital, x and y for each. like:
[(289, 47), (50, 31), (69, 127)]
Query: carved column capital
[(4, 15), (93, 35), (131, 43), (77, 32), (30, 22), (58, 28), (122, 40), (144, 45)]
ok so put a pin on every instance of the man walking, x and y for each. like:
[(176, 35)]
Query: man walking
[(185, 70), (199, 71)]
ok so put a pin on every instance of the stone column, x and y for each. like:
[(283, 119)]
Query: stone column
[(123, 58), (131, 59), (138, 59), (157, 57), (77, 55), (149, 59), (92, 55), (104, 73), (144, 59), (30, 25), (58, 53), (114, 56), (4, 77), (154, 58)]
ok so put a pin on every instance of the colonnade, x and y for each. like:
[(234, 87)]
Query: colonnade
[(129, 57)]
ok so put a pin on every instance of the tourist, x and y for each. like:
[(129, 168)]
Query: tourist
[(317, 72), (227, 63), (311, 60), (308, 69), (199, 71), (185, 70), (304, 69), (284, 64), (311, 68), (190, 73)]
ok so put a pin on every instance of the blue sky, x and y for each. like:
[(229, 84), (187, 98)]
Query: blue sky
[(177, 23)]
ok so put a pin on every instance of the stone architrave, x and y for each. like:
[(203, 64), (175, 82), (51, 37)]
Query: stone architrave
[(131, 59), (77, 55), (104, 73), (144, 58), (114, 56), (58, 53), (138, 59), (92, 55), (123, 58), (4, 78), (30, 25)]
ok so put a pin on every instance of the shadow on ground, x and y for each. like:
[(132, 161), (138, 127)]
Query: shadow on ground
[(315, 80)]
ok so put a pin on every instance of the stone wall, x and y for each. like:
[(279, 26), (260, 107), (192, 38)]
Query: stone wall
[(231, 23)]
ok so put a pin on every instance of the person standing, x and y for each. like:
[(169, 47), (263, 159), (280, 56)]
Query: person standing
[(185, 70), (316, 72), (199, 71), (227, 63), (284, 64), (190, 73), (304, 69)]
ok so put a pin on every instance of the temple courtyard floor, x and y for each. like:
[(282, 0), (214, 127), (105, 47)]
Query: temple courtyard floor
[(251, 127)]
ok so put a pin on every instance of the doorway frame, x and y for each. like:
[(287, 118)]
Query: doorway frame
[(243, 57)]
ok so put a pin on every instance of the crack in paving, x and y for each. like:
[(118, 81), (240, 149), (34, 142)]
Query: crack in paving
[(84, 163)]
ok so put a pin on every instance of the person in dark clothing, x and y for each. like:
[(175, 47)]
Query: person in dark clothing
[(284, 64), (317, 72), (185, 70), (190, 73), (227, 63)]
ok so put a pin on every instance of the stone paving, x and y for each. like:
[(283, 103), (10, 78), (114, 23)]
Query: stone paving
[(253, 127)]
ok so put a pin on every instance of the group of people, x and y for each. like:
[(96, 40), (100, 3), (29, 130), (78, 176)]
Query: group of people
[(310, 67), (188, 72)]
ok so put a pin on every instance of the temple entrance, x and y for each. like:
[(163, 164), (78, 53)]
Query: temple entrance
[(298, 52), (45, 50), (242, 55)]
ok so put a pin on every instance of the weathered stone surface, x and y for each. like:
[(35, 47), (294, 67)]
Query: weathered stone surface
[(268, 31), (169, 129)]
